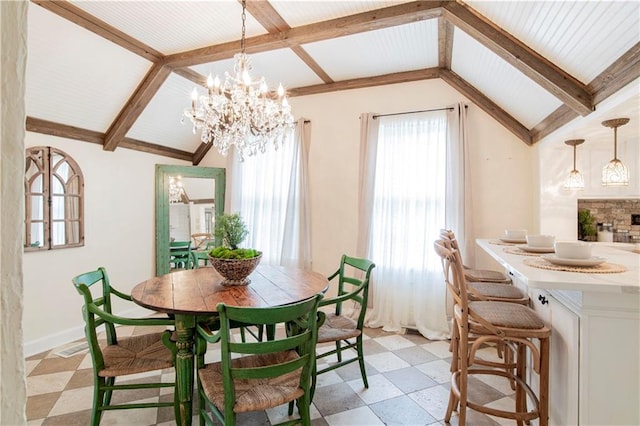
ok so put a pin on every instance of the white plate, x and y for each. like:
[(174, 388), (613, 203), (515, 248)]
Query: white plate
[(592, 261), (530, 249), (507, 240)]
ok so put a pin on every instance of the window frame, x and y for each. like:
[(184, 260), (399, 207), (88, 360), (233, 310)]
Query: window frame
[(43, 158)]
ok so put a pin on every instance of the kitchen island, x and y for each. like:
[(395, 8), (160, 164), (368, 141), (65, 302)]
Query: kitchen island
[(595, 341)]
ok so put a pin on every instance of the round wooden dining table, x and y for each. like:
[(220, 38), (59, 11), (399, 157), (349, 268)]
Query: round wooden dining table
[(194, 293)]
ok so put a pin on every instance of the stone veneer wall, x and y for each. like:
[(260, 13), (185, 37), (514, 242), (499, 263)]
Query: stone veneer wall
[(616, 212)]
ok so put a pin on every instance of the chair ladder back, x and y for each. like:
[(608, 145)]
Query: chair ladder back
[(302, 314), (95, 305)]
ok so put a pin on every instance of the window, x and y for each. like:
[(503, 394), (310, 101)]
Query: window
[(269, 191), (406, 181), (54, 200)]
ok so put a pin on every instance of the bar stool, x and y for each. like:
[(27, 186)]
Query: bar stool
[(471, 274), (486, 290), (511, 324)]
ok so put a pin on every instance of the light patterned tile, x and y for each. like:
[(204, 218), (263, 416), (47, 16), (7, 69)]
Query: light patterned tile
[(73, 400), (386, 361), (436, 370), (401, 410), (380, 388), (394, 342), (362, 416), (434, 400), (46, 383), (439, 348)]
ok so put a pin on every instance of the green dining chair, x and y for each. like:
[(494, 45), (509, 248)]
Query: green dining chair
[(255, 376), (121, 356), (180, 255), (353, 277)]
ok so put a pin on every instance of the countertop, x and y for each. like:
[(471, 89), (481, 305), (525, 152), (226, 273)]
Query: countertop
[(623, 282)]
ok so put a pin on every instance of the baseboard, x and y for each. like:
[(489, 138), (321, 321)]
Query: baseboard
[(64, 337)]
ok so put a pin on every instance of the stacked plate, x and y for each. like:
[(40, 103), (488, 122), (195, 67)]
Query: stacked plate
[(563, 261)]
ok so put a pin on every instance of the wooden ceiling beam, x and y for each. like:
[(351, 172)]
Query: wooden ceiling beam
[(201, 151), (38, 125), (79, 17), (367, 21), (45, 127), (445, 43), (360, 83), (271, 20), (487, 105), (135, 105), (562, 85), (558, 118), (622, 72)]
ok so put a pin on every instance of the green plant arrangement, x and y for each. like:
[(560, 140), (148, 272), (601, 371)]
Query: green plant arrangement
[(234, 264), (586, 227)]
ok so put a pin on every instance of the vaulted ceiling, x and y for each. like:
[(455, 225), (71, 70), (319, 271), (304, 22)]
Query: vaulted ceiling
[(120, 73)]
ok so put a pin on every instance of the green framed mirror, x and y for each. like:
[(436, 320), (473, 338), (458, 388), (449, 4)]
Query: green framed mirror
[(174, 184)]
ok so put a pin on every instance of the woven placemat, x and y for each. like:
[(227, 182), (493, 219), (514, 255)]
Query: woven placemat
[(501, 243), (518, 250), (603, 268)]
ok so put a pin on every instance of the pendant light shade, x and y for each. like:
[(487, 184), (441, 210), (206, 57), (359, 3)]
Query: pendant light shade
[(615, 173), (574, 181)]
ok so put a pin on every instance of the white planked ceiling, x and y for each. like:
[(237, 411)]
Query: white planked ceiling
[(581, 37), (80, 79)]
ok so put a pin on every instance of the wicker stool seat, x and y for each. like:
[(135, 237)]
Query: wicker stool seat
[(471, 274), (510, 325), (497, 292)]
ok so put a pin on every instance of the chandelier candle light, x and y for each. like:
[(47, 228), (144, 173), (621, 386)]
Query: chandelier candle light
[(615, 173), (575, 181), (240, 112)]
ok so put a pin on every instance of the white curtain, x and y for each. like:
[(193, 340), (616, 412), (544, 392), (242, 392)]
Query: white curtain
[(270, 191), (403, 174), (459, 217)]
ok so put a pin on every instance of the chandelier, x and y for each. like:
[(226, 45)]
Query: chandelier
[(176, 190), (240, 112), (615, 173), (574, 180)]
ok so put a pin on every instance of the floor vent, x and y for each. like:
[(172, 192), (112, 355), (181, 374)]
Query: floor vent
[(82, 347)]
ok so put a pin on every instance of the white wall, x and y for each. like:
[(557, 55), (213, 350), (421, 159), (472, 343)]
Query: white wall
[(119, 198), (119, 235), (501, 163)]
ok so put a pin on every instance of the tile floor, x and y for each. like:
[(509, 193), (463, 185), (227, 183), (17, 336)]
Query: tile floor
[(408, 385)]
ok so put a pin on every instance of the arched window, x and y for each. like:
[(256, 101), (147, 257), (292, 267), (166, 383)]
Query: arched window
[(54, 200)]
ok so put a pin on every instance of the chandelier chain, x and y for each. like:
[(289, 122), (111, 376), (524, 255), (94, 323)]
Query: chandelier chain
[(244, 28), (240, 111)]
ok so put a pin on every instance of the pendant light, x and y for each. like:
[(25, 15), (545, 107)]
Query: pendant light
[(574, 181), (615, 173)]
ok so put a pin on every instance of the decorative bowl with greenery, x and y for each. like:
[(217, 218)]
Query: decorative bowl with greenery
[(233, 263)]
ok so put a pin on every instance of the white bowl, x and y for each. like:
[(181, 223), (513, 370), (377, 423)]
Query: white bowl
[(540, 240), (515, 234), (572, 249)]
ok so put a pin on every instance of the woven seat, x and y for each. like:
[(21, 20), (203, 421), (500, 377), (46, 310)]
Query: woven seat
[(471, 274), (496, 292), (136, 354), (253, 394), (353, 277), (338, 327), (254, 376), (507, 324), (122, 356)]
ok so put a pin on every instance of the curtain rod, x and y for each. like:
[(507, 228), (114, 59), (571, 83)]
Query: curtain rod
[(415, 112)]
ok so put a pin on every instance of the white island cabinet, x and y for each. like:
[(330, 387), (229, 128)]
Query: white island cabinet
[(595, 342)]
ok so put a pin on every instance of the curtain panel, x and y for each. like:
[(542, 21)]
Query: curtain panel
[(270, 191), (414, 180)]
